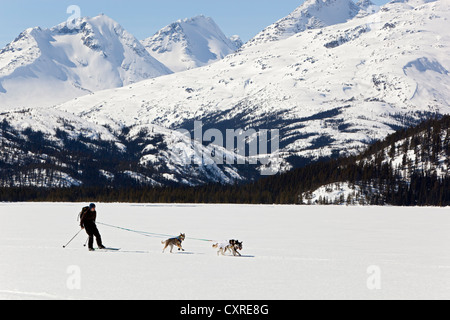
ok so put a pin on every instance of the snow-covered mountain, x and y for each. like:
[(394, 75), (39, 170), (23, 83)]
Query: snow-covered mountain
[(312, 14), (51, 148), (331, 91), (237, 41), (42, 67), (191, 43), (365, 4)]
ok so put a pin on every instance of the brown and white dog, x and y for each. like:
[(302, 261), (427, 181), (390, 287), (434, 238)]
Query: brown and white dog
[(174, 242), (231, 245)]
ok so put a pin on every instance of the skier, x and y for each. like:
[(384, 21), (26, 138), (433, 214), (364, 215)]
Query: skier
[(87, 221)]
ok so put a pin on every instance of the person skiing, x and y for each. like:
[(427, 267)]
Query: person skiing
[(87, 221)]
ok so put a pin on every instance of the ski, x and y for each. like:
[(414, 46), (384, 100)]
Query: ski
[(107, 250)]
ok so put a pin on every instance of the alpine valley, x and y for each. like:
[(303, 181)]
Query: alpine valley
[(85, 103)]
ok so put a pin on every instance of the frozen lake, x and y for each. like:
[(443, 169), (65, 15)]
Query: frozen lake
[(290, 252)]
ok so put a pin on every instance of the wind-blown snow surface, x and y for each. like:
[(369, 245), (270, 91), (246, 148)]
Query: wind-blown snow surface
[(290, 252)]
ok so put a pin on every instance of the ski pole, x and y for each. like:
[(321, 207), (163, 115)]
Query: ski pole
[(85, 244), (72, 238)]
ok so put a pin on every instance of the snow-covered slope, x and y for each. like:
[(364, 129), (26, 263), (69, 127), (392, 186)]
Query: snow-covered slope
[(341, 193), (191, 43), (409, 158), (312, 14), (42, 67), (50, 148), (426, 152), (330, 91)]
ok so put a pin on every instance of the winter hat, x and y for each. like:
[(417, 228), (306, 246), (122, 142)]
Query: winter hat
[(92, 206)]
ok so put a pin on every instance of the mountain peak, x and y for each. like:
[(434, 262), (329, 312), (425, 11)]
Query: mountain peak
[(198, 18), (331, 91), (237, 41), (365, 4), (190, 43), (75, 25), (312, 14), (75, 58)]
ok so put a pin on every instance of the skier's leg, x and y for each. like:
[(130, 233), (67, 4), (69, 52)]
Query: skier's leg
[(91, 242), (98, 237), (89, 232)]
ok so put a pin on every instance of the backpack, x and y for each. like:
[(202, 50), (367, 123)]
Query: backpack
[(83, 213)]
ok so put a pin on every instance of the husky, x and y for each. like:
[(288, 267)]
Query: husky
[(174, 242), (231, 245)]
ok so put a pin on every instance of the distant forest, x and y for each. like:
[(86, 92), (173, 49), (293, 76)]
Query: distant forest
[(422, 187)]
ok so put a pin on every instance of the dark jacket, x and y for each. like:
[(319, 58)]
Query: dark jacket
[(87, 217)]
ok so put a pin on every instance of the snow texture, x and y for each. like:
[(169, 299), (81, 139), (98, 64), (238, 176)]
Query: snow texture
[(289, 252)]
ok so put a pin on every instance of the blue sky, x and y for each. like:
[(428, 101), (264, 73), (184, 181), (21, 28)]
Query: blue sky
[(144, 17)]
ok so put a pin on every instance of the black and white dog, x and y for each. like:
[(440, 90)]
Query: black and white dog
[(234, 246)]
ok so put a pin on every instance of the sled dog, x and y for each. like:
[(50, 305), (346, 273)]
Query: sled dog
[(231, 245), (174, 242)]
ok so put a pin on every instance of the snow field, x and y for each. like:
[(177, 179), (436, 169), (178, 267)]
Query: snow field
[(290, 252)]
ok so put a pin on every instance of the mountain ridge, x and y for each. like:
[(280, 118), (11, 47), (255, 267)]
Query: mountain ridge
[(330, 92), (190, 43), (42, 67), (312, 14)]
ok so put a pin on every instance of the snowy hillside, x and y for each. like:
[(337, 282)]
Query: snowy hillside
[(49, 148), (191, 43), (412, 162), (424, 152), (338, 194), (331, 91), (42, 67), (299, 252), (312, 14)]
